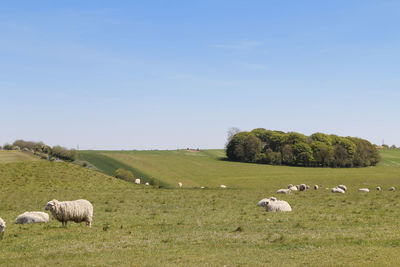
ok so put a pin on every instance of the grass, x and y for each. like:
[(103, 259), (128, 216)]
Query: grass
[(135, 225), (13, 156)]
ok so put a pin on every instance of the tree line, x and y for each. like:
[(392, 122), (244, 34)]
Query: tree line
[(42, 150), (296, 149)]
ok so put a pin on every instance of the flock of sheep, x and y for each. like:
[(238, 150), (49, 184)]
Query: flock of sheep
[(77, 211), (272, 204)]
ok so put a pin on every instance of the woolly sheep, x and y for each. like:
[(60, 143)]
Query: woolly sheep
[(307, 187), (180, 184), (337, 190), (223, 186), (302, 187), (289, 186), (32, 217), (147, 183), (392, 188), (78, 211), (363, 190), (293, 188), (283, 191), (343, 187), (274, 205), (202, 187), (316, 187), (137, 181), (378, 188), (263, 202), (2, 225)]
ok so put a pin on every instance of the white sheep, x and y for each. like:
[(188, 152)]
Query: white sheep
[(302, 187), (32, 217), (283, 191), (263, 202), (343, 187), (289, 186), (293, 188), (2, 225), (337, 190), (202, 187), (274, 205), (363, 190), (223, 186), (137, 181), (78, 211), (147, 183), (316, 187), (307, 187), (392, 188), (180, 184), (378, 188)]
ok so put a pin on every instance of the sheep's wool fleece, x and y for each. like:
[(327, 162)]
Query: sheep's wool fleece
[(78, 210), (275, 205), (2, 225), (363, 190), (343, 187), (293, 188), (283, 191), (32, 217), (337, 190), (263, 202)]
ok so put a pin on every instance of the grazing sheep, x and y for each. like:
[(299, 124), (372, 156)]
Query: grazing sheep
[(2, 225), (263, 202), (180, 184), (337, 190), (78, 211), (363, 190), (302, 187), (147, 183), (289, 186), (293, 188), (274, 205), (32, 217), (137, 181), (392, 188), (223, 186), (316, 187), (283, 191), (343, 187), (307, 187), (378, 188)]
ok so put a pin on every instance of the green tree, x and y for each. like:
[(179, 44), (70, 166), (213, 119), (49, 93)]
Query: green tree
[(303, 154)]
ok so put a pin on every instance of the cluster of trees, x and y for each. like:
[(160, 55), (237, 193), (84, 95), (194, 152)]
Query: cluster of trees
[(43, 150), (296, 149)]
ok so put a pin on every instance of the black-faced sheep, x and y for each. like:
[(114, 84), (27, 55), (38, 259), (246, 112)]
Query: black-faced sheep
[(316, 187), (302, 187), (78, 211), (343, 187), (378, 188), (392, 188), (32, 217)]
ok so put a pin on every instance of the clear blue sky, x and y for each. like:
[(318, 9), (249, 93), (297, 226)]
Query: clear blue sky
[(177, 74)]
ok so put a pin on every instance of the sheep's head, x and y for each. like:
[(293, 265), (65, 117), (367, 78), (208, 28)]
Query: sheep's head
[(2, 226), (51, 204)]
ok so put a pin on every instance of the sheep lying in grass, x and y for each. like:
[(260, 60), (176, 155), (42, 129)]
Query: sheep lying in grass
[(180, 184), (78, 211), (274, 205), (316, 187), (302, 187), (223, 186), (2, 225), (293, 188), (363, 190), (263, 202), (337, 190), (343, 187), (32, 217), (392, 188), (137, 181), (378, 188), (283, 191)]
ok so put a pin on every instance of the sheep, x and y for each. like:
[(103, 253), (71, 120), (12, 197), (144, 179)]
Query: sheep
[(263, 202), (32, 217), (2, 225), (392, 188), (289, 186), (378, 188), (337, 190), (180, 184), (147, 183), (343, 187), (137, 181), (274, 205), (293, 188), (223, 186), (283, 191), (363, 190), (302, 187), (78, 211), (316, 187), (307, 187), (202, 187)]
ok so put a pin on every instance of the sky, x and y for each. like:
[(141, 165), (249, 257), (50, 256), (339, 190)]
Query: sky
[(177, 74)]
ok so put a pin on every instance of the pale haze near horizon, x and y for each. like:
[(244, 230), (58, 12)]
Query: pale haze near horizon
[(177, 74)]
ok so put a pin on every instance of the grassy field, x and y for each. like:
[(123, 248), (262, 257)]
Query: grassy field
[(135, 225), (13, 156)]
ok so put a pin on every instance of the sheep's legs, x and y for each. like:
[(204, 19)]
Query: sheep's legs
[(64, 224)]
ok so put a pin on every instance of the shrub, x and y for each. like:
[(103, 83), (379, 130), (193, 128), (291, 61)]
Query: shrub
[(124, 175)]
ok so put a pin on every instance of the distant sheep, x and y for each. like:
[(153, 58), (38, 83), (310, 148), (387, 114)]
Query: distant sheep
[(202, 187), (180, 184), (343, 187), (378, 188), (363, 190), (283, 191), (147, 183), (78, 211), (293, 188), (307, 187), (302, 187), (32, 217), (289, 186), (337, 190), (392, 188), (223, 186), (2, 225), (137, 181), (316, 187), (274, 205)]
